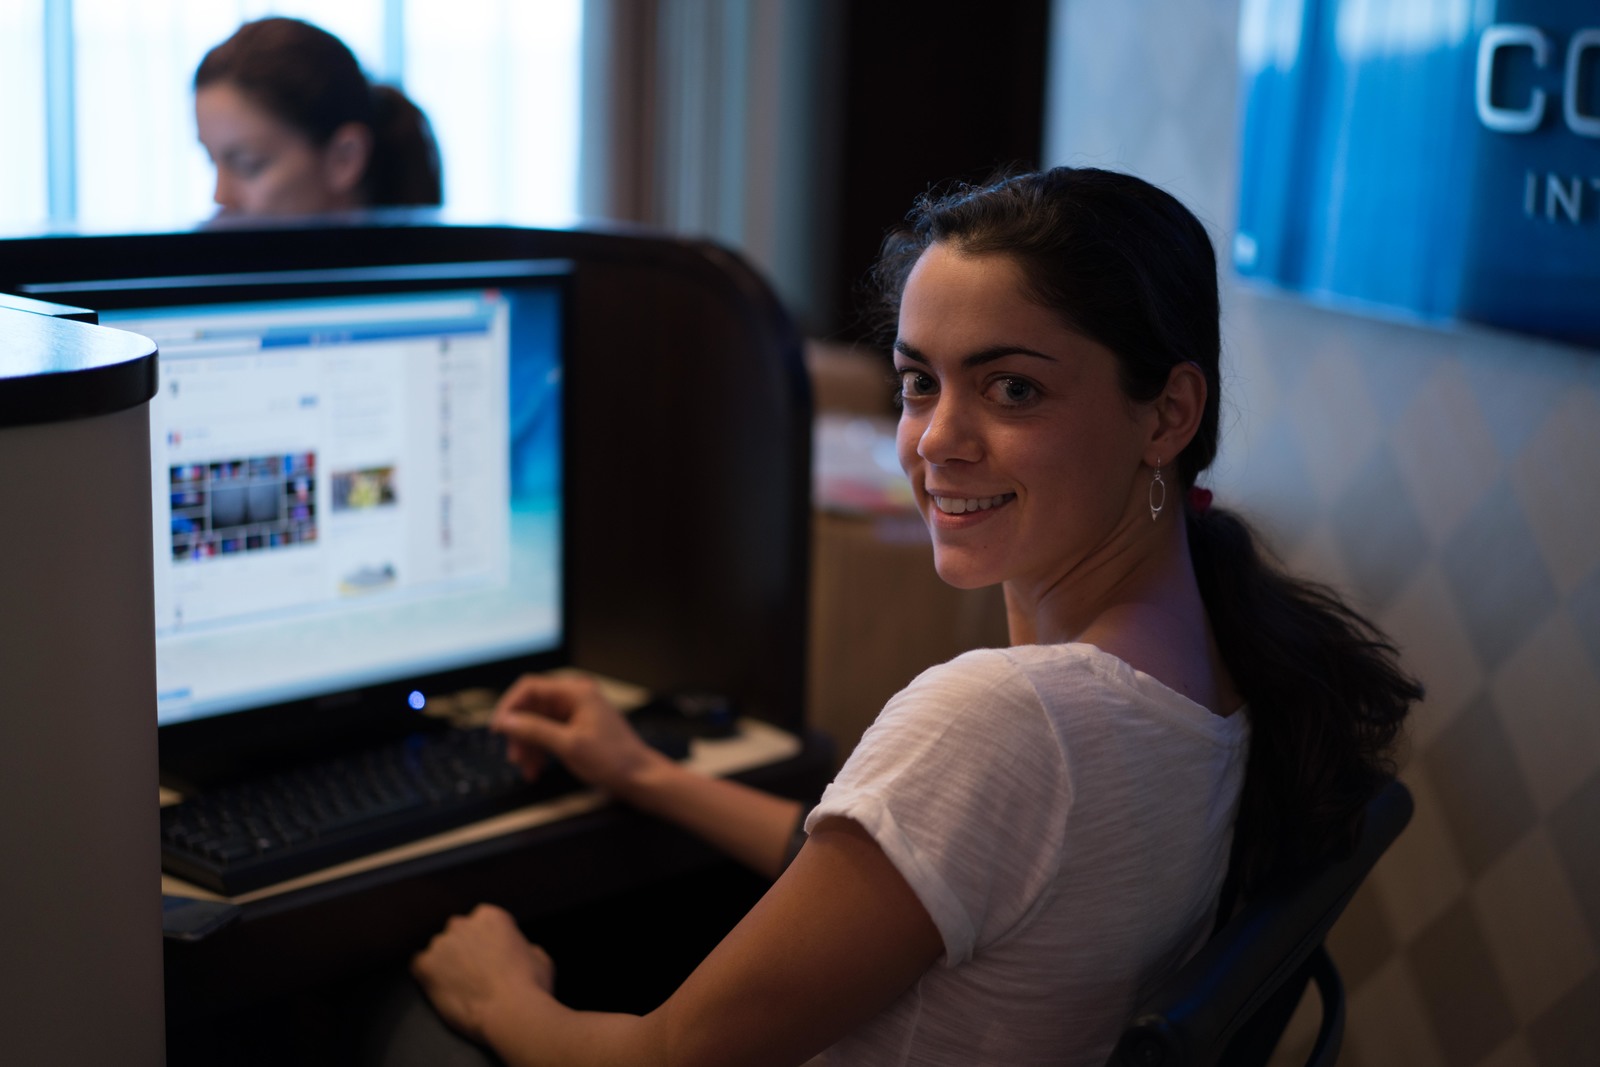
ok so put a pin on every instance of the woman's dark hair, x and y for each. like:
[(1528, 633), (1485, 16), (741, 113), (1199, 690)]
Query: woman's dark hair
[(309, 79), (1127, 265)]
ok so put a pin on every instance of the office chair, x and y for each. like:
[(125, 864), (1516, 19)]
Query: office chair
[(1230, 1003)]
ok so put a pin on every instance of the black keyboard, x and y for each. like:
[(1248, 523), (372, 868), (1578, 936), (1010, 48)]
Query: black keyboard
[(259, 832)]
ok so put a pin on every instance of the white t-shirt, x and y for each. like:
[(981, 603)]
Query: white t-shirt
[(1066, 820)]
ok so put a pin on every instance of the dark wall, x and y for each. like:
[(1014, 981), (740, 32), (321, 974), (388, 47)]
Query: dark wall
[(932, 91)]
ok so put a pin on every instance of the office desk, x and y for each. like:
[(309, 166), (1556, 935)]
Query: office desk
[(556, 866)]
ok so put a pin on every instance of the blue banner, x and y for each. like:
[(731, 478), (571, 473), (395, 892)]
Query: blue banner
[(1437, 157)]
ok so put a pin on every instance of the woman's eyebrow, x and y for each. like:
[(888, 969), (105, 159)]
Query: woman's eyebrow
[(909, 352), (978, 358)]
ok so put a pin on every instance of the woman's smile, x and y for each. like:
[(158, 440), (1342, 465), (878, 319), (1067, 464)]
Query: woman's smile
[(969, 505)]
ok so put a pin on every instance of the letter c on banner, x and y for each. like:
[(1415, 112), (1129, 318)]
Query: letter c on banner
[(1527, 119)]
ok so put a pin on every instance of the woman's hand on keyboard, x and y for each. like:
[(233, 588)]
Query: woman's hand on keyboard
[(569, 718)]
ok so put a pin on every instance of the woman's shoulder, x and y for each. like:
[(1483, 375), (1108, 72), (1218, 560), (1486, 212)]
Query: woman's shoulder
[(942, 698), (1021, 680), (975, 714), (1073, 684), (981, 671), (1069, 664)]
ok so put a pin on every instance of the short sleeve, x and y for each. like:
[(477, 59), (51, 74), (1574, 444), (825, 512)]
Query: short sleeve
[(963, 783)]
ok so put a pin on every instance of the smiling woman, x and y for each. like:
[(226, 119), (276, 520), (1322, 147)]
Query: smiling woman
[(1115, 280), (1027, 838)]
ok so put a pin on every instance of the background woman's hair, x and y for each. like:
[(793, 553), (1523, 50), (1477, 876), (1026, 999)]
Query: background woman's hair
[(405, 166), (308, 79), (1127, 265)]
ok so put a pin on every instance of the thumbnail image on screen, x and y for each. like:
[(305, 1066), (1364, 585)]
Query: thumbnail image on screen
[(243, 505), (358, 489)]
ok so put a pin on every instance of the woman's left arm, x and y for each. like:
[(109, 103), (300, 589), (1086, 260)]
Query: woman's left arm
[(831, 944)]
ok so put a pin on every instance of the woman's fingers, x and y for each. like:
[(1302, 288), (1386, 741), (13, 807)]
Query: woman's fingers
[(529, 759), (572, 720), (530, 728), (476, 959), (555, 698)]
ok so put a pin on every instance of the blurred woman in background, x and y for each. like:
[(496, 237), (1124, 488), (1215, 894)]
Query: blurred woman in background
[(294, 127)]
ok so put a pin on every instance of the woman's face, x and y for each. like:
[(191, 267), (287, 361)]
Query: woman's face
[(1024, 453), (265, 166)]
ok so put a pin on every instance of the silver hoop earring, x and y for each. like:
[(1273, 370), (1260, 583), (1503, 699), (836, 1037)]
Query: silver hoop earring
[(1157, 500)]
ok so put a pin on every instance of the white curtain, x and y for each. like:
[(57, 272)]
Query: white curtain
[(710, 118)]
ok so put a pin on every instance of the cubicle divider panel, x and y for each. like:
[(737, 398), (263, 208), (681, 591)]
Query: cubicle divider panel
[(691, 424)]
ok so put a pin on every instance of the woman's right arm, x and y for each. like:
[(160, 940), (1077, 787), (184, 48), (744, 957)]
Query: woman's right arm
[(833, 943), (570, 719)]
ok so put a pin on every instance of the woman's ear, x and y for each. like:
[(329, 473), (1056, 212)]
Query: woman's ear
[(344, 160), (1178, 411)]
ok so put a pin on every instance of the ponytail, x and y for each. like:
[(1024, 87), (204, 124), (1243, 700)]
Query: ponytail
[(1324, 692), (404, 168)]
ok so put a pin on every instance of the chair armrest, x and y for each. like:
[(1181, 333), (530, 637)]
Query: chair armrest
[(1330, 1035)]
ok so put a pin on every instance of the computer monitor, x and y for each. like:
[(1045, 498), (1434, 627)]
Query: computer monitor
[(357, 482)]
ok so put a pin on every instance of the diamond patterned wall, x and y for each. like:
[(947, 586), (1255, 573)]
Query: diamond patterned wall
[(1446, 480)]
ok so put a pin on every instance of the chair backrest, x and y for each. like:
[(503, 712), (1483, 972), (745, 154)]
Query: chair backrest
[(1230, 1002)]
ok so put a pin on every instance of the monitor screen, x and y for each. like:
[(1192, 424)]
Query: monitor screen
[(356, 478)]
